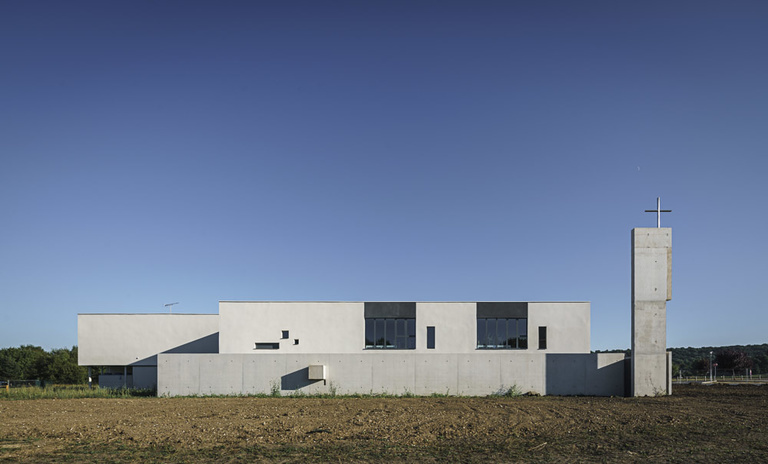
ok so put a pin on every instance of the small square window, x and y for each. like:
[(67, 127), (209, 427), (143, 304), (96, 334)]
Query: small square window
[(295, 341), (285, 334)]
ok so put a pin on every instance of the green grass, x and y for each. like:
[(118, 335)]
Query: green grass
[(82, 391), (70, 392)]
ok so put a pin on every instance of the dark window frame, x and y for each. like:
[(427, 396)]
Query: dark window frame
[(502, 333), (430, 337), (266, 346), (390, 333)]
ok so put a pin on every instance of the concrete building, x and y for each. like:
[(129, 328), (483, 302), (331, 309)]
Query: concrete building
[(466, 348)]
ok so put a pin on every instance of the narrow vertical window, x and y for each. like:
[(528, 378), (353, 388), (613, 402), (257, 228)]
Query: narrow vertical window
[(501, 333), (430, 338), (370, 336), (542, 338), (491, 333), (512, 333), (390, 333), (481, 333), (380, 339), (401, 339)]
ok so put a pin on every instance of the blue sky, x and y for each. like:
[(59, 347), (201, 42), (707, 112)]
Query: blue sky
[(155, 152)]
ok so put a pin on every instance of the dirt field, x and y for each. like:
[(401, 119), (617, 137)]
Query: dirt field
[(697, 423)]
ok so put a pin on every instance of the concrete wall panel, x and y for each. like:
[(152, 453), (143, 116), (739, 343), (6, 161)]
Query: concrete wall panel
[(568, 326), (136, 339), (320, 326), (651, 282)]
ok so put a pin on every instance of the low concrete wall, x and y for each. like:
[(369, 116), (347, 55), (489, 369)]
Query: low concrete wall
[(459, 374), (598, 374), (421, 374), (115, 381)]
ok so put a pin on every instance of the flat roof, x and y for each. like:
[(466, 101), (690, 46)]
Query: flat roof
[(391, 301)]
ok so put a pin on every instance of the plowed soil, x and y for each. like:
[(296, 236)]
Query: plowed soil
[(697, 423)]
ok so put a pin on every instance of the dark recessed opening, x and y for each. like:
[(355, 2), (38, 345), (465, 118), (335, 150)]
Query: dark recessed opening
[(430, 338), (266, 346)]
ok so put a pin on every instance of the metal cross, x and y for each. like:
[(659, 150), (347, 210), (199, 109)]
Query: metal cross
[(658, 211)]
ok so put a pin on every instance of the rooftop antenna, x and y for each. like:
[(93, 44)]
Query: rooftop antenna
[(658, 211), (169, 306)]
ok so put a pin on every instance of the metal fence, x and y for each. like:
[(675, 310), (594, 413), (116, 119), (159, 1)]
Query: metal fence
[(7, 384), (723, 378)]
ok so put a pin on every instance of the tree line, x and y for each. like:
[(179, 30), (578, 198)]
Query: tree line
[(29, 362), (733, 360), (730, 360)]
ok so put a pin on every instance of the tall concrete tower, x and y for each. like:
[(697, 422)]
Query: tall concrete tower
[(651, 289)]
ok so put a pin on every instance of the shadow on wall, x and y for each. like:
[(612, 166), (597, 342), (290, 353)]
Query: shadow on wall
[(296, 380), (207, 344), (599, 374)]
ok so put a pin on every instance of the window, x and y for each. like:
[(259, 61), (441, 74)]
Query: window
[(390, 333), (285, 334), (543, 338), (430, 338), (502, 333), (390, 325), (266, 346)]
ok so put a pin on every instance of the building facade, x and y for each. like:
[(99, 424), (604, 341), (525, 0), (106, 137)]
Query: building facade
[(467, 348), (460, 348)]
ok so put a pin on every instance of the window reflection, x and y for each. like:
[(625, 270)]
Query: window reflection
[(502, 333), (390, 333)]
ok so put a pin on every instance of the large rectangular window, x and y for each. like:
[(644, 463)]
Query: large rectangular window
[(390, 333), (502, 333)]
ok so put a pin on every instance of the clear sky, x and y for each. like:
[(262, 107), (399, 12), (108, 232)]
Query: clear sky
[(154, 152)]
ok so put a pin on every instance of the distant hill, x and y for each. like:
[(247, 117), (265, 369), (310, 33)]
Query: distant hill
[(694, 361)]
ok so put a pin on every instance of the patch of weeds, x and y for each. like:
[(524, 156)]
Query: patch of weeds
[(274, 389), (440, 395), (511, 392)]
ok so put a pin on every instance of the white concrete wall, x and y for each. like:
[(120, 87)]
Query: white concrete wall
[(321, 327), (339, 327), (455, 327), (480, 373), (136, 339), (380, 372), (568, 326)]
